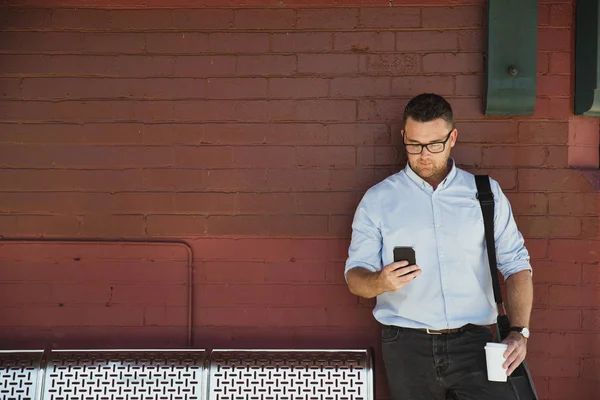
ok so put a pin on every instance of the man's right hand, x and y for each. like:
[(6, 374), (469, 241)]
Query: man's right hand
[(396, 275)]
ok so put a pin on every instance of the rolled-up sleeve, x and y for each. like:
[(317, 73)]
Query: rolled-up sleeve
[(511, 253), (365, 247)]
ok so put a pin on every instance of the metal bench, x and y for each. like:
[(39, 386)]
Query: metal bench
[(186, 375)]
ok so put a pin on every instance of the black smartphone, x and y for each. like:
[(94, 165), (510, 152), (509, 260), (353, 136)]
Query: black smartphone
[(405, 253)]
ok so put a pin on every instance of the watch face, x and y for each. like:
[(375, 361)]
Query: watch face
[(525, 333)]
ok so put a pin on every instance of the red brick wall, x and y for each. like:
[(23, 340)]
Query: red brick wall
[(252, 133)]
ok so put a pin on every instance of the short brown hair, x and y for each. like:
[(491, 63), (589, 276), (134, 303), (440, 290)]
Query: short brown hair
[(428, 107)]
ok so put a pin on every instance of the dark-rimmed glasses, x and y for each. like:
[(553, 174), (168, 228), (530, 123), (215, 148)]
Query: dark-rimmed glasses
[(433, 147)]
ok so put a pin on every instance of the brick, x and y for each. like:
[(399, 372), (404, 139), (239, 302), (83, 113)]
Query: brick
[(264, 19), (466, 155), (452, 62), (327, 203), (378, 156), (573, 296), (238, 42), (507, 178), (573, 344), (26, 18), (559, 180), (573, 204), (540, 296), (25, 293), (260, 156), (174, 179), (82, 19), (205, 203), (143, 202), (556, 320), (550, 226), (400, 17), (528, 203), (554, 367), (202, 18), (414, 85), (142, 66), (181, 42), (574, 250), (165, 316), (202, 66), (237, 225), (554, 85), (328, 64), (290, 88), (557, 272), (41, 42), (266, 203), (590, 228), (293, 133), (391, 64), (170, 134), (591, 273), (560, 63), (352, 179), (74, 180), (561, 15), (297, 225), (538, 248), (591, 320), (172, 225), (420, 41), (236, 179), (113, 226), (241, 295), (543, 14), (543, 62), (301, 42), (469, 85), (140, 20), (10, 87), (351, 317), (591, 369), (573, 388), (496, 132), (265, 316), (297, 272), (236, 88), (202, 157), (360, 87), (221, 110), (452, 17), (232, 133), (358, 134), (326, 156), (340, 226), (294, 179), (267, 65), (583, 131), (312, 110), (471, 40), (32, 225), (364, 41), (116, 43), (521, 156), (554, 39), (231, 272), (331, 18), (380, 110), (539, 132)]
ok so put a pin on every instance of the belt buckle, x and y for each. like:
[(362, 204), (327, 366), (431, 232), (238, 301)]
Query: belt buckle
[(430, 332)]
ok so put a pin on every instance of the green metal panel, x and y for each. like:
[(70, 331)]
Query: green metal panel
[(587, 62), (511, 62)]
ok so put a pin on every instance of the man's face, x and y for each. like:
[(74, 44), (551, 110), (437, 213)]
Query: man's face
[(429, 166)]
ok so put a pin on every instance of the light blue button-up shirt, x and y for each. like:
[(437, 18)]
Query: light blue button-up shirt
[(445, 227)]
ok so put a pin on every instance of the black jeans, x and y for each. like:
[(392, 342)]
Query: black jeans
[(421, 366)]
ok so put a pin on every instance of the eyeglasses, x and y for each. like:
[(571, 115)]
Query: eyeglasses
[(435, 147)]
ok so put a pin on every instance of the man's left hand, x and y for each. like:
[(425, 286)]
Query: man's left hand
[(515, 354)]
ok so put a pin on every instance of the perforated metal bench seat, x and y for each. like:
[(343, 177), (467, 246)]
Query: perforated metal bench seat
[(187, 375)]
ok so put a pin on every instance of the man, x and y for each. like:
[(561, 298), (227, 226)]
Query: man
[(436, 315)]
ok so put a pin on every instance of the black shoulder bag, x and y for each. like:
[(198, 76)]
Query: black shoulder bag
[(520, 380)]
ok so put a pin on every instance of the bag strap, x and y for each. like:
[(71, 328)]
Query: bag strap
[(486, 200)]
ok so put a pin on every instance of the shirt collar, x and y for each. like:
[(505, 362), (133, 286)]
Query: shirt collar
[(419, 181)]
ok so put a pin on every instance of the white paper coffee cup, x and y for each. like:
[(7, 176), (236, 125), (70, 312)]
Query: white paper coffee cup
[(494, 356)]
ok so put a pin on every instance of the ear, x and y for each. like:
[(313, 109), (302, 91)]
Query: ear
[(453, 137)]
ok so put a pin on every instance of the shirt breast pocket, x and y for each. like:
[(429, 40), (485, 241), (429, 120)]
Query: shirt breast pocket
[(466, 226)]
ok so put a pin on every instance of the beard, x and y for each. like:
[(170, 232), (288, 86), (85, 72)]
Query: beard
[(432, 168)]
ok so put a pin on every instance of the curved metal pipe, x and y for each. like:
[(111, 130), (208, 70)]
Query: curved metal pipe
[(190, 266)]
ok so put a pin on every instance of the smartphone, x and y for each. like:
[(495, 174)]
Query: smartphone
[(405, 253)]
